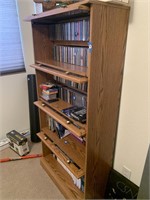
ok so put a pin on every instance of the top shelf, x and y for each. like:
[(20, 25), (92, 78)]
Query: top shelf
[(79, 9)]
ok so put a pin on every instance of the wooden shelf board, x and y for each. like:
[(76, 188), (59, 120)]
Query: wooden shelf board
[(54, 13), (76, 131), (61, 178), (61, 74), (60, 105), (77, 43), (77, 70), (58, 149), (73, 148), (71, 87)]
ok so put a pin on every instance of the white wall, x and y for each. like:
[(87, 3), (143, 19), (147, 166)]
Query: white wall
[(25, 8), (14, 106), (14, 109), (132, 140)]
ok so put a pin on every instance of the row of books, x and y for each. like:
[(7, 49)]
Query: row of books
[(76, 30), (62, 132), (72, 97), (56, 127), (79, 182), (80, 86), (51, 91), (71, 55), (53, 126)]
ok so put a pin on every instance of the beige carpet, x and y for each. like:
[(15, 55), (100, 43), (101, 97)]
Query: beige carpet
[(25, 179)]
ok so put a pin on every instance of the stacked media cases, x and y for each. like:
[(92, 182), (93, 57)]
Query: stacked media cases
[(49, 91), (75, 30), (76, 112), (71, 55), (54, 91)]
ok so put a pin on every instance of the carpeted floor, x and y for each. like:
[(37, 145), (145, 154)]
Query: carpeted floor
[(26, 179)]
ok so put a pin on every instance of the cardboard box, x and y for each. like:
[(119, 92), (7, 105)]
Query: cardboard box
[(18, 142)]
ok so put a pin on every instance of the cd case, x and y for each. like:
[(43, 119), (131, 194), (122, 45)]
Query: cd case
[(77, 113)]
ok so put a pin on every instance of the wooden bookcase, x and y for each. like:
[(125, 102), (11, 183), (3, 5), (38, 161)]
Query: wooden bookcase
[(106, 46)]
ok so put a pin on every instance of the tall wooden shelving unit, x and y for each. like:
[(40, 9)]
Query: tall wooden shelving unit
[(104, 73)]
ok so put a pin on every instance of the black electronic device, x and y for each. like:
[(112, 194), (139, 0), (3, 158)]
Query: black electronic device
[(33, 110)]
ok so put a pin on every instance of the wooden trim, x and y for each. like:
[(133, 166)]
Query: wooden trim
[(66, 67), (73, 43), (76, 131), (60, 176), (74, 148), (71, 88), (108, 38), (54, 12), (58, 106), (60, 74), (58, 147)]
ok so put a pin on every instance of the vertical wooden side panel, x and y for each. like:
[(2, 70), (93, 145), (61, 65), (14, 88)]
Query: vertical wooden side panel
[(42, 77), (46, 151), (108, 36), (42, 43)]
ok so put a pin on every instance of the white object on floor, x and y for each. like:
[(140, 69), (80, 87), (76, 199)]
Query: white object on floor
[(4, 144)]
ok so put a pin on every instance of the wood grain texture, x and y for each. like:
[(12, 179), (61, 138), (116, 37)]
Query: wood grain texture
[(108, 37), (78, 173), (58, 106), (66, 67), (71, 42), (68, 76), (69, 150), (108, 33), (61, 178), (42, 43), (60, 119), (70, 9), (45, 150), (74, 149)]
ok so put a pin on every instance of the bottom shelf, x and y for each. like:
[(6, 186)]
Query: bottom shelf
[(61, 178)]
